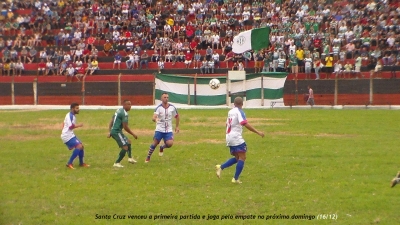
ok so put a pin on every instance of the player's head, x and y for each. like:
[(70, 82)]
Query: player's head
[(127, 105), (308, 87), (164, 97), (238, 102), (74, 107)]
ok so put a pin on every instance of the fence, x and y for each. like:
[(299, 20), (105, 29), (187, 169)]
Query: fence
[(107, 92)]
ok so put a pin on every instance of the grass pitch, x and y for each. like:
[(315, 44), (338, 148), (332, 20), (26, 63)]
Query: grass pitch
[(326, 166)]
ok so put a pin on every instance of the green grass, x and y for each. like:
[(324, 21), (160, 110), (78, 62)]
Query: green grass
[(310, 162)]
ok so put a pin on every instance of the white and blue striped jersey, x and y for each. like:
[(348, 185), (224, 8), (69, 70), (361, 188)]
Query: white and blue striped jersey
[(68, 127), (164, 117), (236, 119)]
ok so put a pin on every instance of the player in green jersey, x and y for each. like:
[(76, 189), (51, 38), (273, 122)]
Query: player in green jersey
[(118, 122)]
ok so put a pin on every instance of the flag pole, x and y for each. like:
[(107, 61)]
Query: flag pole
[(195, 89)]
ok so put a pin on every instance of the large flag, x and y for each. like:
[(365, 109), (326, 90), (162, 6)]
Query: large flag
[(255, 39), (261, 88)]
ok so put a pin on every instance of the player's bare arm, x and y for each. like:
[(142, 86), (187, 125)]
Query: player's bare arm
[(127, 129), (155, 117), (177, 124), (252, 129), (73, 126)]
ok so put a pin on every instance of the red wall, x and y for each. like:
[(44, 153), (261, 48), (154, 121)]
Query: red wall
[(346, 99)]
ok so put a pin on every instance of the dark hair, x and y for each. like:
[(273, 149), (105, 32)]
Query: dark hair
[(73, 105), (125, 101), (164, 93)]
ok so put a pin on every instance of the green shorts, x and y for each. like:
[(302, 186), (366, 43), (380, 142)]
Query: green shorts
[(120, 138)]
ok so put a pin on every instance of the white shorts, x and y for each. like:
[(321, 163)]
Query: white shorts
[(117, 61), (188, 61), (357, 69)]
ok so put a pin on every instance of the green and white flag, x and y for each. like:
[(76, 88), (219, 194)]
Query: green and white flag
[(255, 39), (261, 89)]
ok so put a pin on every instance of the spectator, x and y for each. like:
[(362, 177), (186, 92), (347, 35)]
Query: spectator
[(144, 59), (160, 64), (41, 67), (348, 70), (94, 66), (130, 61), (247, 58), (78, 64), (229, 57), (169, 56), (7, 68), (19, 68), (211, 66), (197, 59), (215, 57), (70, 73), (338, 69), (117, 60), (235, 66), (49, 68), (81, 73), (329, 65), (204, 66), (357, 68), (281, 67), (107, 48), (155, 57), (259, 61), (188, 59), (136, 60), (267, 62), (62, 68), (293, 64), (307, 66)]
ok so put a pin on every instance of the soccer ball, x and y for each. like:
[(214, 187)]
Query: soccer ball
[(214, 83)]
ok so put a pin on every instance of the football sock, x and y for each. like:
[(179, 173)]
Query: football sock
[(229, 163), (151, 150), (81, 154), (129, 150), (75, 153), (239, 168), (164, 146), (121, 156)]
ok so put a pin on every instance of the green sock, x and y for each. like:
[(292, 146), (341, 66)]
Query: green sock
[(129, 151), (121, 156)]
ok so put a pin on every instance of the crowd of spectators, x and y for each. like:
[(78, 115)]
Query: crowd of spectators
[(306, 35)]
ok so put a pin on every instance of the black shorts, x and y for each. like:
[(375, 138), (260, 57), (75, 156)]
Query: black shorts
[(300, 62), (328, 69)]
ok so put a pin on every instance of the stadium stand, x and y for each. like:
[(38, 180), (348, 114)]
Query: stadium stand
[(88, 34)]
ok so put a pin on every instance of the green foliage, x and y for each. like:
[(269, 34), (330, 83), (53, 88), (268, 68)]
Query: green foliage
[(310, 162)]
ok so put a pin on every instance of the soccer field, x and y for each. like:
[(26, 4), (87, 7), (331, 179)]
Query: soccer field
[(312, 167)]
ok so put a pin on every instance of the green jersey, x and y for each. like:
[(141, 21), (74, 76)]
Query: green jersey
[(315, 27), (293, 60), (307, 25), (120, 117)]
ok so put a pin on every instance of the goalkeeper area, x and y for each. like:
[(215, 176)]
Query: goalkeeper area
[(321, 163)]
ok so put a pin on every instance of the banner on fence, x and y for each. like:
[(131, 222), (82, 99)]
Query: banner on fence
[(260, 89)]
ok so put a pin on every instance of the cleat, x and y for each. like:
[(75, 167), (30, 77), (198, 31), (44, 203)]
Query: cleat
[(236, 181), (218, 170), (394, 182), (147, 159), (161, 153), (131, 160), (84, 165), (118, 165), (70, 166)]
